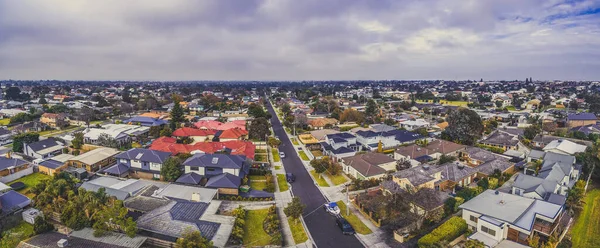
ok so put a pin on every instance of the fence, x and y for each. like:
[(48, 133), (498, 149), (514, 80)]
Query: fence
[(366, 213), (17, 175)]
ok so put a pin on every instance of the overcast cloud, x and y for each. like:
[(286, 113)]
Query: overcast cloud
[(299, 39)]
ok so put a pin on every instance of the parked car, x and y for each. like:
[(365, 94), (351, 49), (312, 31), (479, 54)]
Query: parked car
[(345, 226), (290, 178), (281, 154), (331, 208)]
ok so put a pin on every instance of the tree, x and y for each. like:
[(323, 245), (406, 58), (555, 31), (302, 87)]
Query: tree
[(389, 122), (534, 241), (320, 165), (294, 209), (352, 115), (193, 239), (106, 140), (166, 131), (531, 131), (274, 142), (126, 108), (257, 111), (171, 169), (77, 140), (446, 159), (575, 196), (41, 225), (595, 108), (177, 115), (125, 95), (549, 126), (13, 93), (24, 138), (42, 100), (499, 104), (259, 128), (371, 109), (473, 243), (286, 109), (464, 126)]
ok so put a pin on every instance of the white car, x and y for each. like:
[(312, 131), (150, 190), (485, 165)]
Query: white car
[(281, 154), (332, 208)]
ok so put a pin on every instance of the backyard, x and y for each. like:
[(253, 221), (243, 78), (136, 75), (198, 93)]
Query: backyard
[(320, 180), (303, 156), (354, 221), (30, 181), (254, 234), (586, 230), (283, 186), (297, 231)]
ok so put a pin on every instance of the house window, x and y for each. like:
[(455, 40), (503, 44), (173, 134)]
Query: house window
[(194, 169), (488, 231), (473, 218)]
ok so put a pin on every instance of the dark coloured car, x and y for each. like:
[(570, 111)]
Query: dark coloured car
[(290, 178), (344, 226)]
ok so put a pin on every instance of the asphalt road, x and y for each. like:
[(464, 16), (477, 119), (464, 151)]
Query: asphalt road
[(321, 225)]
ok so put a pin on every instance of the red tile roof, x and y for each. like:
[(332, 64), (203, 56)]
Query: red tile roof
[(168, 144), (208, 124), (234, 133), (188, 131), (233, 124)]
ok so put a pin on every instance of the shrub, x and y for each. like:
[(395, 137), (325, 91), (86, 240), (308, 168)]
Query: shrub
[(448, 231)]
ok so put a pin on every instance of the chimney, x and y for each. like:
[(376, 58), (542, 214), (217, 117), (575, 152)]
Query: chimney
[(195, 197), (62, 243)]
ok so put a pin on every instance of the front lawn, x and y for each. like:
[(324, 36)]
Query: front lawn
[(258, 185), (303, 156), (30, 181), (277, 167), (455, 103), (586, 230), (283, 186), (254, 234), (320, 181), (354, 221), (297, 231), (337, 179), (260, 158), (276, 157), (295, 141)]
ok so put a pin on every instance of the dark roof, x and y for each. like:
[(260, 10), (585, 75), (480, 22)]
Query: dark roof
[(582, 117), (43, 144), (176, 217), (13, 200), (545, 139), (368, 164), (52, 164), (216, 160), (341, 136), (190, 178), (117, 169), (8, 162), (4, 131), (49, 240), (455, 171), (224, 180), (501, 138), (430, 199), (145, 155), (587, 129), (145, 203), (417, 175), (146, 121)]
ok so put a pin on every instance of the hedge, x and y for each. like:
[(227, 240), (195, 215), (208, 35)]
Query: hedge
[(448, 231)]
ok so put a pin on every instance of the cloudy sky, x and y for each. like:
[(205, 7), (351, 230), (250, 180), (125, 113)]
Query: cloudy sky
[(299, 39)]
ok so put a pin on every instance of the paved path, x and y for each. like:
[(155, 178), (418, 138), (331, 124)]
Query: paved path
[(321, 226)]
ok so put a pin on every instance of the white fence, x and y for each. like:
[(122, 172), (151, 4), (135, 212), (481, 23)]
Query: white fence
[(17, 175)]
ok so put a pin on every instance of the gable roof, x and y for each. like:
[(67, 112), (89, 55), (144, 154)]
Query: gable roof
[(13, 200), (224, 180), (45, 144), (118, 169), (51, 163), (146, 121), (9, 162), (368, 164), (190, 178), (188, 131), (237, 147), (233, 133), (565, 146), (145, 155), (216, 160), (96, 155), (582, 117)]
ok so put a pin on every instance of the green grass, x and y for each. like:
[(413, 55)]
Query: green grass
[(278, 167), (586, 230), (258, 185), (295, 141), (254, 234), (260, 151), (303, 156), (511, 108), (256, 177), (320, 181), (9, 145), (354, 221), (337, 179), (276, 157), (5, 122), (30, 181), (260, 158), (16, 234), (453, 103), (297, 231), (283, 186)]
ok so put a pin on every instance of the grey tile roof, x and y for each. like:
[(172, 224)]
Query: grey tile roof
[(190, 178), (145, 203), (216, 160), (52, 164), (483, 155), (44, 144), (501, 138), (582, 117), (368, 164), (117, 169), (13, 200), (224, 180), (417, 175), (176, 217), (430, 199), (8, 162), (453, 171), (145, 155), (489, 167), (49, 240)]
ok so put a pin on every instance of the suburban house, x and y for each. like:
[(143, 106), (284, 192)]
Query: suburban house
[(504, 140), (581, 119), (32, 126), (54, 164), (94, 160), (55, 120), (540, 141), (5, 136), (231, 134), (83, 238), (587, 129), (198, 135), (145, 121), (224, 172), (11, 201), (416, 154), (320, 123), (417, 177), (138, 163), (561, 146), (237, 147), (556, 176), (340, 145), (414, 124), (122, 133), (44, 148), (13, 168), (368, 165), (370, 139), (497, 216)]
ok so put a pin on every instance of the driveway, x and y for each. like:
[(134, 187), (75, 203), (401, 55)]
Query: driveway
[(320, 224)]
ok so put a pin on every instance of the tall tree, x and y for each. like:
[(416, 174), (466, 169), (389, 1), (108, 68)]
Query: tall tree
[(371, 109), (294, 209), (259, 128), (77, 140), (24, 138), (171, 169), (42, 100), (177, 115), (464, 126), (193, 239), (352, 115)]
